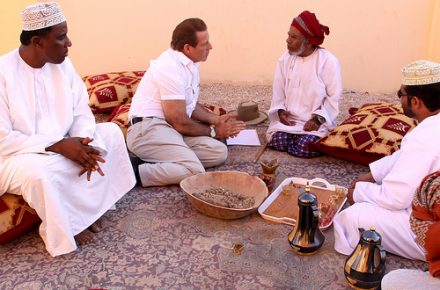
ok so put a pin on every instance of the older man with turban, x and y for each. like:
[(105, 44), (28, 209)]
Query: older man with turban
[(382, 198), (306, 90), (51, 150)]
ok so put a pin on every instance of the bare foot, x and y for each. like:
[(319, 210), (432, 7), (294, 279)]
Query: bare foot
[(85, 237), (97, 226)]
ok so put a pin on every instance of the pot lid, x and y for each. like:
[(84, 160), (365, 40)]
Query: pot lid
[(371, 236)]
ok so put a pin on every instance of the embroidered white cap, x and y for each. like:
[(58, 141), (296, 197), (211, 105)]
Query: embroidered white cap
[(41, 15), (421, 72)]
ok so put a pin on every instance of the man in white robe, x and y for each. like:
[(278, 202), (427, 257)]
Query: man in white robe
[(382, 198), (306, 90), (50, 146)]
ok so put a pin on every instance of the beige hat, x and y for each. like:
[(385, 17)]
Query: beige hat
[(421, 72), (249, 113), (41, 15)]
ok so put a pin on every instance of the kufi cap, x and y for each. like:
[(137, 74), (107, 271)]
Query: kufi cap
[(309, 26), (421, 72), (41, 15)]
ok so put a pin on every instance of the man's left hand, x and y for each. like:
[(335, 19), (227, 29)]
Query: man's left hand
[(94, 156), (312, 125), (90, 170), (225, 127), (350, 193), (367, 177)]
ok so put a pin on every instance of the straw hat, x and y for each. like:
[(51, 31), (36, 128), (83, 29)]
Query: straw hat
[(249, 113), (421, 72)]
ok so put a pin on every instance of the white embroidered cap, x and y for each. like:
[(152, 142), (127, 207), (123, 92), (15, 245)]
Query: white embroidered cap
[(421, 72), (41, 15)]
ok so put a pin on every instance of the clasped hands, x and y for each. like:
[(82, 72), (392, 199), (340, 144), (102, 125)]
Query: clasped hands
[(286, 119), (79, 151), (227, 127)]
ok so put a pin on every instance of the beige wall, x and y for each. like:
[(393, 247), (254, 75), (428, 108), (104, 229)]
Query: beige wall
[(434, 41), (372, 39), (10, 23)]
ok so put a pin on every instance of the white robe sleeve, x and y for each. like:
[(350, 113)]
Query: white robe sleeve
[(14, 142), (402, 178), (278, 92), (83, 120), (331, 77), (380, 168), (84, 124)]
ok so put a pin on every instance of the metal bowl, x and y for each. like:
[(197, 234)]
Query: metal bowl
[(235, 181)]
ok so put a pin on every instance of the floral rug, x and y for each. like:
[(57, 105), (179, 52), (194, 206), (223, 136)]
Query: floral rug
[(156, 240)]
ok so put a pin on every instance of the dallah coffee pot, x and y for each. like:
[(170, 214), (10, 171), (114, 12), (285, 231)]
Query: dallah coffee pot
[(306, 238), (365, 267)]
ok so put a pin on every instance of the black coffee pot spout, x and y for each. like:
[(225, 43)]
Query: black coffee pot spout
[(306, 237)]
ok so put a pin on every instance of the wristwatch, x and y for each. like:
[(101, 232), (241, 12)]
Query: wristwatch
[(212, 133), (320, 119)]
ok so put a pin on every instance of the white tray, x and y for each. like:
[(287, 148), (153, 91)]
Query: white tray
[(317, 183)]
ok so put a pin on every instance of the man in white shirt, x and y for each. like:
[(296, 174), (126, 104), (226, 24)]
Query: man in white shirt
[(169, 129), (382, 198), (306, 90), (50, 145)]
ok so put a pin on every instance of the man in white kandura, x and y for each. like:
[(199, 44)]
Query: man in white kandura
[(382, 198), (306, 90), (50, 146)]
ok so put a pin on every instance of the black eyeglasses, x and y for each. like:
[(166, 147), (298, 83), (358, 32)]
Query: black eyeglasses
[(400, 94)]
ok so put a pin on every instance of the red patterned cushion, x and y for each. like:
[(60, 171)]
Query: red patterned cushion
[(371, 132), (120, 117), (108, 91), (16, 217)]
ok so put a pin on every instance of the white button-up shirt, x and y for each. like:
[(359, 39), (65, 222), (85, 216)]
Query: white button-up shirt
[(172, 76)]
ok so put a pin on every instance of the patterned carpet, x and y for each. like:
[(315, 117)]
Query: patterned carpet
[(156, 240)]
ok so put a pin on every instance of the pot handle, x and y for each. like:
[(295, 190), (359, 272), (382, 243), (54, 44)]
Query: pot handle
[(383, 254), (319, 182)]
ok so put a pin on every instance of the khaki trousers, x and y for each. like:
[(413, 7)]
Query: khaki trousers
[(173, 157)]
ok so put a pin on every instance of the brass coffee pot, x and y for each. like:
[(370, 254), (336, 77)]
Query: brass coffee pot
[(365, 267), (306, 238)]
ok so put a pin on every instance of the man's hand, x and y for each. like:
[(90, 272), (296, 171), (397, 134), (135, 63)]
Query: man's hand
[(225, 127), (97, 157), (312, 125), (78, 150), (285, 117), (367, 177)]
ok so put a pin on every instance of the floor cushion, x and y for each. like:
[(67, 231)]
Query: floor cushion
[(16, 217), (108, 91), (371, 132), (120, 117)]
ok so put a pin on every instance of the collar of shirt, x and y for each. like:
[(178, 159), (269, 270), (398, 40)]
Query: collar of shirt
[(183, 59)]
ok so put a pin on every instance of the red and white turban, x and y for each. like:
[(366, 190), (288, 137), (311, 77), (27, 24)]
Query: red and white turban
[(309, 26)]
